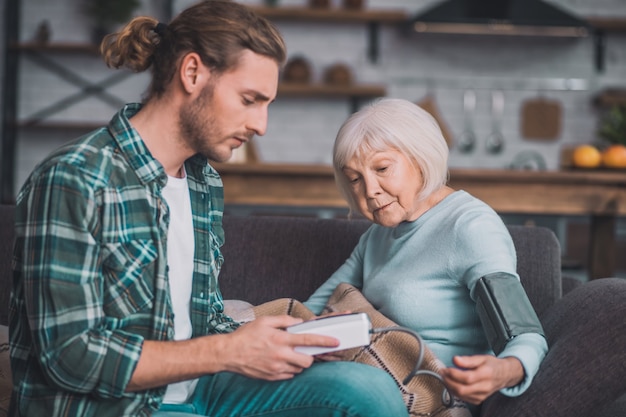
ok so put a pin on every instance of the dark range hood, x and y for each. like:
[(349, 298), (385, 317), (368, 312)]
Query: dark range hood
[(500, 17)]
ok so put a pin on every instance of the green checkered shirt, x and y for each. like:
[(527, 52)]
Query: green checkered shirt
[(91, 276)]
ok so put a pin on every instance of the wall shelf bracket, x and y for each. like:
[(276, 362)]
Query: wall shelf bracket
[(599, 41), (373, 47)]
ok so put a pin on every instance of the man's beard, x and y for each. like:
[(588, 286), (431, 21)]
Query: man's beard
[(198, 127)]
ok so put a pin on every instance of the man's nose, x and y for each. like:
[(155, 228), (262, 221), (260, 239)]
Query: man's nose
[(258, 123)]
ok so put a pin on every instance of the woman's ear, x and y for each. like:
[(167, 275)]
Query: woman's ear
[(192, 72)]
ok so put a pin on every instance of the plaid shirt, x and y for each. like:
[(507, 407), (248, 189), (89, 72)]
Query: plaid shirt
[(91, 281)]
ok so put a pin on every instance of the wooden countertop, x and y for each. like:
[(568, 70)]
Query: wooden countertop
[(598, 194), (571, 192)]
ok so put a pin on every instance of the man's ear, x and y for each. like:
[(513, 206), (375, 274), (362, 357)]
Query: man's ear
[(192, 72)]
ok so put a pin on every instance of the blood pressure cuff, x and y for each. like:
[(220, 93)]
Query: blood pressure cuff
[(504, 309)]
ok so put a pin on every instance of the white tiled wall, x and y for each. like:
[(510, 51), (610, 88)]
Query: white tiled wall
[(302, 130)]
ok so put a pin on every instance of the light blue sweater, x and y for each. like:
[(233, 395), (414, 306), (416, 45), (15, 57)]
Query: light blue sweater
[(422, 274)]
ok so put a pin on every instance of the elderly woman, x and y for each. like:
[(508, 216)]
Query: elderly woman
[(421, 261)]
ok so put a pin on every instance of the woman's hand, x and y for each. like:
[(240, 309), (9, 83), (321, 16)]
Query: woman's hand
[(477, 377)]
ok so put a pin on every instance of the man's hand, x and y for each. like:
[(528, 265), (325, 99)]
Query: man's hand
[(330, 356), (262, 349), (479, 376), (258, 349)]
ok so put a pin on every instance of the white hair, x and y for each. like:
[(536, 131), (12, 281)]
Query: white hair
[(398, 124)]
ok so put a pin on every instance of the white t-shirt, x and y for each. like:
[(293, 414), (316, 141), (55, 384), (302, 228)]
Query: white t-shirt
[(180, 250)]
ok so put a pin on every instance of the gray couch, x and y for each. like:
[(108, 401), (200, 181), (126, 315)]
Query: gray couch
[(273, 257)]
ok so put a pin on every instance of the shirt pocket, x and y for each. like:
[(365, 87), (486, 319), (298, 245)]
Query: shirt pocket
[(216, 257), (129, 274)]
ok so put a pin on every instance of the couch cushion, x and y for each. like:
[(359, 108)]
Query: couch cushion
[(538, 264), (292, 256), (289, 256)]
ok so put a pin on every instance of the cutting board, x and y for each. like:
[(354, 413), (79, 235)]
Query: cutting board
[(429, 104), (541, 119)]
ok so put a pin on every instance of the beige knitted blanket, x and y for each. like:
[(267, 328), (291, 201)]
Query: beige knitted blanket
[(395, 352)]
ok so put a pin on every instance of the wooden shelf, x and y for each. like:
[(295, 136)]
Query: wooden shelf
[(73, 48), (61, 125), (355, 92), (330, 90), (336, 15), (609, 24), (373, 19), (610, 97), (340, 15)]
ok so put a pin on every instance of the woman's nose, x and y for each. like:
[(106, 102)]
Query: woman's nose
[(372, 187)]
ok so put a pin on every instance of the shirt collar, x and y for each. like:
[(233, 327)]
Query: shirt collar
[(133, 148)]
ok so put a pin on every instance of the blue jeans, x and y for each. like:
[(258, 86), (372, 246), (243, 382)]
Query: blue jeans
[(330, 389)]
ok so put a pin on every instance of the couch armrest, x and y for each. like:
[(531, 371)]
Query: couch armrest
[(584, 370)]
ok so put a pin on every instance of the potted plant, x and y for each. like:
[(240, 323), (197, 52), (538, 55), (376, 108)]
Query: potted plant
[(613, 129), (106, 14), (613, 125)]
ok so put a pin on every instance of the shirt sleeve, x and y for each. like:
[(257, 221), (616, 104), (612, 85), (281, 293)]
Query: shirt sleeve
[(529, 349), (483, 246), (485, 240), (78, 348)]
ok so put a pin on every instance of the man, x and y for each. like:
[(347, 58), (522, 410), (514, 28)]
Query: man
[(115, 309)]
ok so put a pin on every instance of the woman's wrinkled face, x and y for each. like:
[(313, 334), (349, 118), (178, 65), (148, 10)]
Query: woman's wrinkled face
[(385, 186)]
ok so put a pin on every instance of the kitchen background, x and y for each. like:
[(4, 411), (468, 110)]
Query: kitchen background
[(459, 76)]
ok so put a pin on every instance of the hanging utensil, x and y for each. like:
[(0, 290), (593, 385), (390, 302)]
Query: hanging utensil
[(495, 141), (467, 139)]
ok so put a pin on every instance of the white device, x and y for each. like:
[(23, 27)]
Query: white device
[(352, 330)]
